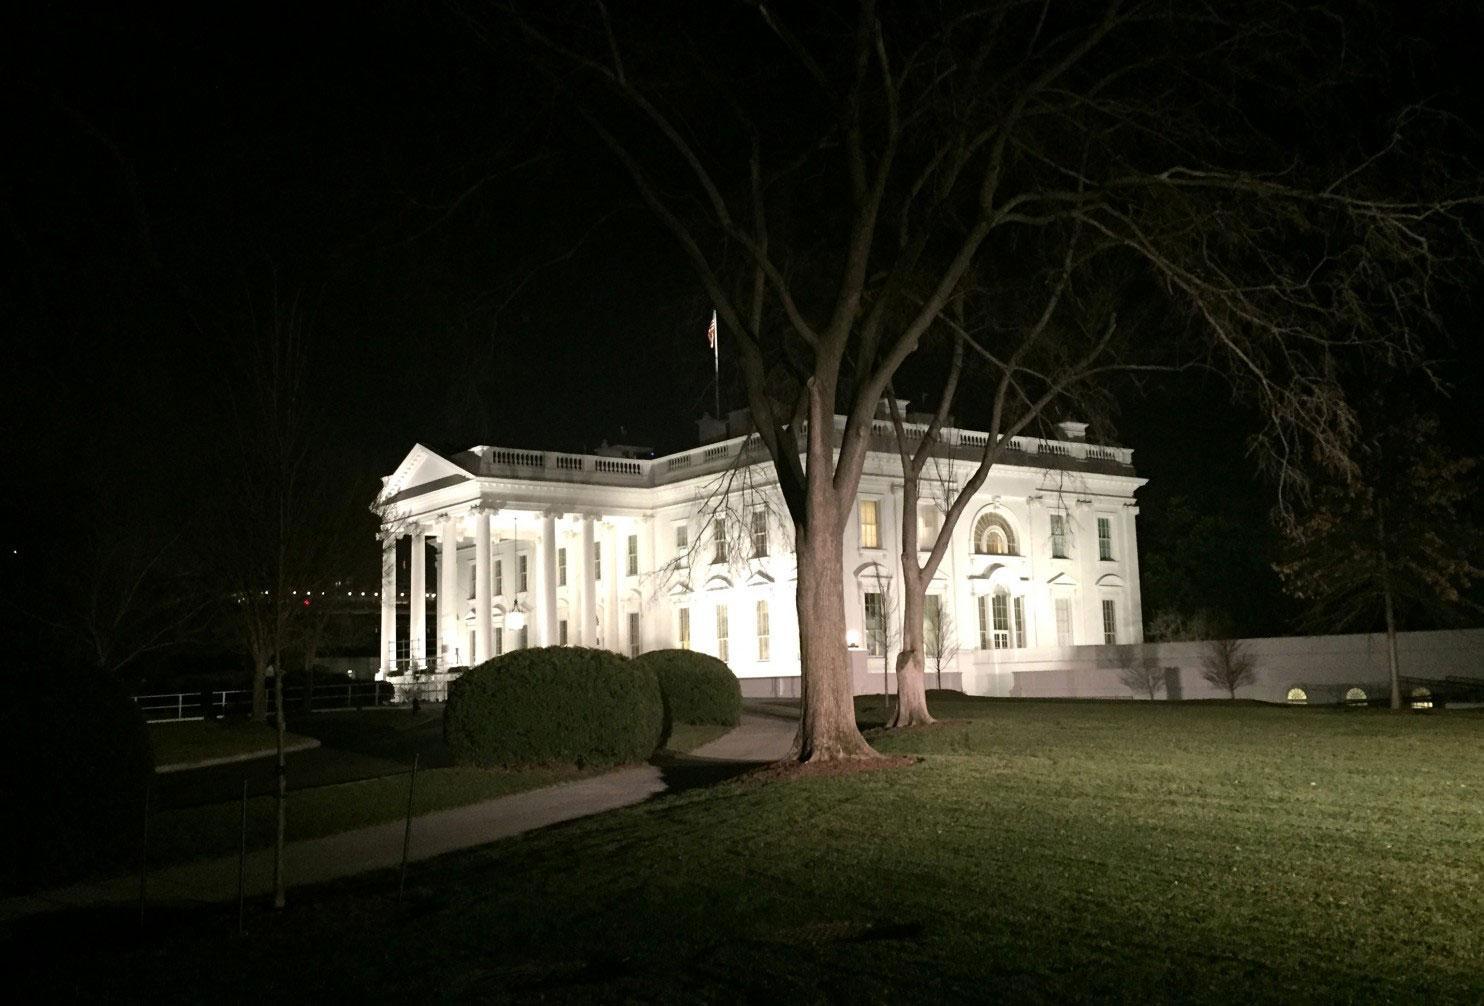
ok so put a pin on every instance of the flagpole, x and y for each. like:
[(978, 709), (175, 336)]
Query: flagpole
[(716, 363)]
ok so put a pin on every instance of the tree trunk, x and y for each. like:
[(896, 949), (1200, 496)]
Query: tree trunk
[(827, 729), (283, 794), (912, 707), (259, 688), (1391, 659), (1396, 681)]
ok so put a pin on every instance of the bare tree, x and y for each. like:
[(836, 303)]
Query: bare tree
[(938, 145), (1228, 664), (287, 517), (1139, 674)]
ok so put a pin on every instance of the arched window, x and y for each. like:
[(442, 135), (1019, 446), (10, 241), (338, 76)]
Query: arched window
[(993, 536), (1355, 697), (1298, 696), (1421, 698)]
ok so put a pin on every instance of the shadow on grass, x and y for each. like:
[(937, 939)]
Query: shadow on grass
[(686, 772)]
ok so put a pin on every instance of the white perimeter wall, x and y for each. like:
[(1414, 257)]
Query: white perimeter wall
[(1324, 666)]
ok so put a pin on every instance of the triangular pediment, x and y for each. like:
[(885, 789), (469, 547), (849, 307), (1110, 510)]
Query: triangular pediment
[(423, 470)]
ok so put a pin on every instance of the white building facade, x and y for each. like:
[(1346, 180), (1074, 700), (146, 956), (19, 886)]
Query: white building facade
[(513, 548)]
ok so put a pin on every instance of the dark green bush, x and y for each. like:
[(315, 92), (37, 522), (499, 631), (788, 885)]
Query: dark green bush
[(76, 760), (554, 705), (697, 687)]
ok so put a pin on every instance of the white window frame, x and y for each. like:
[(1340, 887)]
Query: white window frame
[(633, 626), (561, 567), (682, 545), (718, 540), (682, 628), (631, 556), (1059, 536), (1066, 634), (723, 633), (875, 626), (1105, 539), (499, 578), (1110, 621), (522, 573), (763, 628)]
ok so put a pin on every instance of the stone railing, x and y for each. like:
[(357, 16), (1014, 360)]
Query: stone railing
[(714, 457)]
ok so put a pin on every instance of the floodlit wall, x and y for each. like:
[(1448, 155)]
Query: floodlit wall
[(1325, 667)]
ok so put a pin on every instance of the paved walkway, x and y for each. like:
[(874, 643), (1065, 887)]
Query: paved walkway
[(758, 739)]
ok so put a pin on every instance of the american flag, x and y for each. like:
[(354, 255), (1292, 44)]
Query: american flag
[(711, 333)]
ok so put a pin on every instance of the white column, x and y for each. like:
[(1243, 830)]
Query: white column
[(1130, 556), (546, 573), (613, 567), (448, 593), (417, 597), (484, 625), (388, 602), (584, 573)]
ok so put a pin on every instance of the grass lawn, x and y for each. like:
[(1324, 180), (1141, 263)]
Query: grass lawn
[(176, 743), (1039, 851)]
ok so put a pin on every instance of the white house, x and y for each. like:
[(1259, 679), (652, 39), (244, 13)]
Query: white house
[(534, 548)]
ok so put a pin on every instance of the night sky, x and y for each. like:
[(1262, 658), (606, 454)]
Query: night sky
[(471, 270)]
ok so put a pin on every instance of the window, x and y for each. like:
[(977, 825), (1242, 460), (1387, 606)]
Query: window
[(763, 648), (499, 640), (682, 546), (597, 560), (562, 632), (1058, 536), (522, 572), (870, 514), (499, 577), (993, 536), (759, 533), (999, 604), (723, 649), (682, 633), (719, 540), (1355, 697), (981, 603), (1063, 621), (633, 634), (934, 639), (1019, 622), (632, 559), (1298, 696), (1105, 538), (1110, 623), (876, 624), (1421, 698), (561, 567), (928, 523)]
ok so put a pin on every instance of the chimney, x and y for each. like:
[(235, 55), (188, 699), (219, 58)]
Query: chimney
[(1071, 431)]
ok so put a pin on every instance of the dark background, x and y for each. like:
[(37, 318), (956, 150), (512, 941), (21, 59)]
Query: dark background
[(471, 271)]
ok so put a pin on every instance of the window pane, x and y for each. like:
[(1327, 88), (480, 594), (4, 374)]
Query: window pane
[(722, 647), (633, 634), (1110, 623), (1019, 622), (684, 630), (561, 567), (1063, 621), (762, 631), (522, 572), (1105, 538), (870, 528), (633, 556), (499, 577), (1058, 536), (982, 603), (759, 532), (1000, 606), (875, 625), (682, 546), (719, 540)]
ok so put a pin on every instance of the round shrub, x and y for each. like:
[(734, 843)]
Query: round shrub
[(554, 705), (697, 687), (77, 760)]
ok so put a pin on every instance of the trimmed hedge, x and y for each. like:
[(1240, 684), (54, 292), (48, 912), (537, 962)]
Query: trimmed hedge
[(697, 687), (77, 759), (554, 705)]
